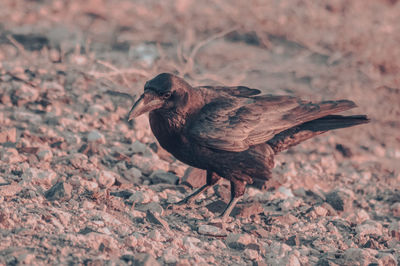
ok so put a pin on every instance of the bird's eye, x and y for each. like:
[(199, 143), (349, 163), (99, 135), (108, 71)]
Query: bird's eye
[(166, 95)]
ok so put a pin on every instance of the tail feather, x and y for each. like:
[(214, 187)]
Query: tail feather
[(302, 132)]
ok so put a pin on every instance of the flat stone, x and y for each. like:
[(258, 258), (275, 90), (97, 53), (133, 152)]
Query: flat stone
[(394, 230), (140, 148), (247, 210), (60, 191), (96, 136), (357, 256), (144, 259), (340, 200), (45, 155), (369, 227), (152, 206), (238, 241), (10, 190), (133, 175), (395, 208), (211, 230), (149, 164), (106, 178), (161, 176), (155, 218), (194, 177)]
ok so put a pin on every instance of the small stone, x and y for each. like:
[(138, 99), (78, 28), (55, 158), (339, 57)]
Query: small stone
[(78, 160), (136, 197), (39, 176), (149, 164), (247, 210), (340, 200), (60, 191), (395, 208), (144, 259), (10, 190), (10, 155), (357, 217), (88, 205), (161, 176), (211, 230), (155, 235), (152, 206), (133, 175), (155, 218), (140, 148), (100, 241), (369, 227), (194, 177), (251, 254), (26, 258), (106, 179), (387, 259), (45, 155), (320, 211), (238, 241), (293, 240), (96, 136), (8, 135), (394, 230), (357, 256), (89, 185), (285, 191), (170, 256)]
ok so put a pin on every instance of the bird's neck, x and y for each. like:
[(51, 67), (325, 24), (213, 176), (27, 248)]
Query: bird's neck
[(190, 102)]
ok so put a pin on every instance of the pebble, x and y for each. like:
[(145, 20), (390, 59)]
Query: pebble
[(194, 177), (106, 179), (358, 256), (340, 200), (369, 227), (395, 209), (60, 191), (394, 230), (10, 155), (133, 175), (140, 148), (96, 136), (247, 210), (152, 206), (160, 176), (149, 164), (211, 230), (144, 259), (45, 155)]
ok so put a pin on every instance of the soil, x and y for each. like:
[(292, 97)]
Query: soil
[(81, 185)]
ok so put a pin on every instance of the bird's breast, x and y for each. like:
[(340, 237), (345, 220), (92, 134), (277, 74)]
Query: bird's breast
[(170, 136)]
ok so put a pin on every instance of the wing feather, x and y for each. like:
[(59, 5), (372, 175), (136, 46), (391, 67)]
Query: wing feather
[(234, 123)]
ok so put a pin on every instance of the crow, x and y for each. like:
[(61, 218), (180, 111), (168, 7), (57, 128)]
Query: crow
[(232, 132)]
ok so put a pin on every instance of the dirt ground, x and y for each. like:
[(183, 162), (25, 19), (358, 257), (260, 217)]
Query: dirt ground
[(81, 185)]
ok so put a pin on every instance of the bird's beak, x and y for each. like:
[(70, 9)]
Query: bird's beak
[(147, 102)]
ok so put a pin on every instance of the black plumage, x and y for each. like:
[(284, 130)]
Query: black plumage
[(232, 132)]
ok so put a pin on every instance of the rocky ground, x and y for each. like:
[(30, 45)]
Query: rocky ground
[(81, 185)]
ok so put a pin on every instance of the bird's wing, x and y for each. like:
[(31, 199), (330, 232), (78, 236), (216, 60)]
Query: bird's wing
[(238, 91), (235, 123)]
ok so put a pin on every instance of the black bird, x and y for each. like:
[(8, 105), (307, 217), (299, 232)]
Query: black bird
[(232, 132)]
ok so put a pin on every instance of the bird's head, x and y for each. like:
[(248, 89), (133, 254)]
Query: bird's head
[(165, 91)]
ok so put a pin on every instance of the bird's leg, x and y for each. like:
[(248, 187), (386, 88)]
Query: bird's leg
[(237, 191), (212, 178)]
